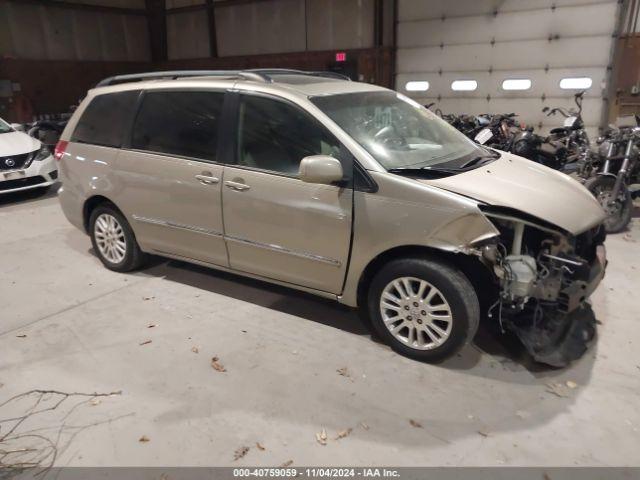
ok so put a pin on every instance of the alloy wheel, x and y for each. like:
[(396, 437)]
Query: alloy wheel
[(110, 238), (416, 313)]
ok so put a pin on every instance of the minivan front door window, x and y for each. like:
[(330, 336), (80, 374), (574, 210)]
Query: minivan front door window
[(276, 136)]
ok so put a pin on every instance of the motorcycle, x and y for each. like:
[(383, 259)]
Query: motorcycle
[(572, 135), (616, 172)]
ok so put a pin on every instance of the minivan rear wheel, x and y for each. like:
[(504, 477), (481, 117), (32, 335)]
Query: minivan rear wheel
[(113, 240), (423, 309)]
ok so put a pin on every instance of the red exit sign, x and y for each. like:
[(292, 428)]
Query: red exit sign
[(341, 56)]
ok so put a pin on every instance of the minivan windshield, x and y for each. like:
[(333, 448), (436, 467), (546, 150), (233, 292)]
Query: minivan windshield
[(400, 133), (5, 127)]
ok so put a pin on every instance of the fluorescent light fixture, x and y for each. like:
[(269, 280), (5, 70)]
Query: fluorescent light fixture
[(464, 85), (577, 83), (417, 86), (516, 84)]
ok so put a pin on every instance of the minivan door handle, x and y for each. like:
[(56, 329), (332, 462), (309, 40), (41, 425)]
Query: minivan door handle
[(207, 179), (239, 187)]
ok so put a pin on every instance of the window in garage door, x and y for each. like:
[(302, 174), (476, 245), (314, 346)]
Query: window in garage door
[(179, 123)]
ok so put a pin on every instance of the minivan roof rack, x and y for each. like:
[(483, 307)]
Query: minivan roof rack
[(271, 72), (258, 74), (174, 74)]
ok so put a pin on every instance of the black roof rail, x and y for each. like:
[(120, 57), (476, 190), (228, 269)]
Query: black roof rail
[(271, 72), (173, 74)]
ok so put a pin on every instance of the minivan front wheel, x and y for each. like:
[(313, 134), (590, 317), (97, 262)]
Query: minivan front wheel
[(113, 240), (423, 309)]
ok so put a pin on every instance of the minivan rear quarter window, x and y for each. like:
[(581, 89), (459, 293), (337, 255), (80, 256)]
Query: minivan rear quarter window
[(105, 119), (181, 123)]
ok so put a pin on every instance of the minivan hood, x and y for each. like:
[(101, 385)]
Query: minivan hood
[(15, 143), (529, 187)]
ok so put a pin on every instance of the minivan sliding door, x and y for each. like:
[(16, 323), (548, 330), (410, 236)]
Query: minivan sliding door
[(170, 178)]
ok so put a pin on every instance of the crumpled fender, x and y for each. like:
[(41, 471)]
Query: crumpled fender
[(460, 233)]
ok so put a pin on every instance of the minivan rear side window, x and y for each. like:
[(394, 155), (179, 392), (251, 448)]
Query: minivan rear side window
[(105, 119), (181, 123)]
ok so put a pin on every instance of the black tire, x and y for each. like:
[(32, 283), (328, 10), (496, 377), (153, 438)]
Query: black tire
[(619, 216), (133, 257), (454, 288)]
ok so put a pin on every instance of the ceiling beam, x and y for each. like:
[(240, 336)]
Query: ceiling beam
[(82, 6)]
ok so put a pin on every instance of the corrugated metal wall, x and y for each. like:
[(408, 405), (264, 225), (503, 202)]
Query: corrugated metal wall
[(40, 32), (489, 41), (275, 26)]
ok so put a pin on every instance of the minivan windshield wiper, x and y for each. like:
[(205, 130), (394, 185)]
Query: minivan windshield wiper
[(477, 162), (424, 171)]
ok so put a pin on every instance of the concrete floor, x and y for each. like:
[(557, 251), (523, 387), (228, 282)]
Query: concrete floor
[(68, 324)]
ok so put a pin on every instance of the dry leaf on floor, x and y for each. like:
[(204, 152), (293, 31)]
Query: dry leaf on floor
[(571, 384), (217, 366), (286, 464), (95, 401), (344, 433), (144, 439), (321, 437), (240, 452), (558, 389), (259, 446), (146, 342), (195, 349), (415, 424), (364, 425)]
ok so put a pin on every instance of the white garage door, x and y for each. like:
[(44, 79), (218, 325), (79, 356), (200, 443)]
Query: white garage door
[(533, 45)]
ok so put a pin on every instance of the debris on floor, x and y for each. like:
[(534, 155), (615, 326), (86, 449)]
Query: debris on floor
[(95, 401), (146, 342), (144, 439), (415, 424), (559, 389), (195, 349), (239, 453), (286, 464), (321, 437), (148, 298), (259, 446), (364, 425), (344, 433), (482, 433), (217, 366), (21, 336), (153, 325)]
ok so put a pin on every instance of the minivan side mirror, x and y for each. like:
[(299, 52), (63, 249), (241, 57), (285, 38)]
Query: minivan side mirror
[(320, 169)]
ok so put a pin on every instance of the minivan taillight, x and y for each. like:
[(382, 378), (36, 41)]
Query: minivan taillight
[(61, 146)]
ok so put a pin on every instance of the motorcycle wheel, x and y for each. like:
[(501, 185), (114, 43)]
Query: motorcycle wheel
[(619, 211)]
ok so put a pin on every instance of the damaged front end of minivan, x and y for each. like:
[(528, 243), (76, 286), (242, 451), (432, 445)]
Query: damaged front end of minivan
[(545, 276)]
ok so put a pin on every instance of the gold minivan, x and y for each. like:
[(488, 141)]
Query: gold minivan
[(346, 190)]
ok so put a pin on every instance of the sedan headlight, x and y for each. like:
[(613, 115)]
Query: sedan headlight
[(37, 155), (42, 154)]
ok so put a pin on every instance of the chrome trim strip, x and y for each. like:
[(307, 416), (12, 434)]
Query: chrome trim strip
[(165, 223), (278, 248)]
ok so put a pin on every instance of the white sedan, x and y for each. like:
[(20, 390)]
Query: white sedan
[(25, 163)]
